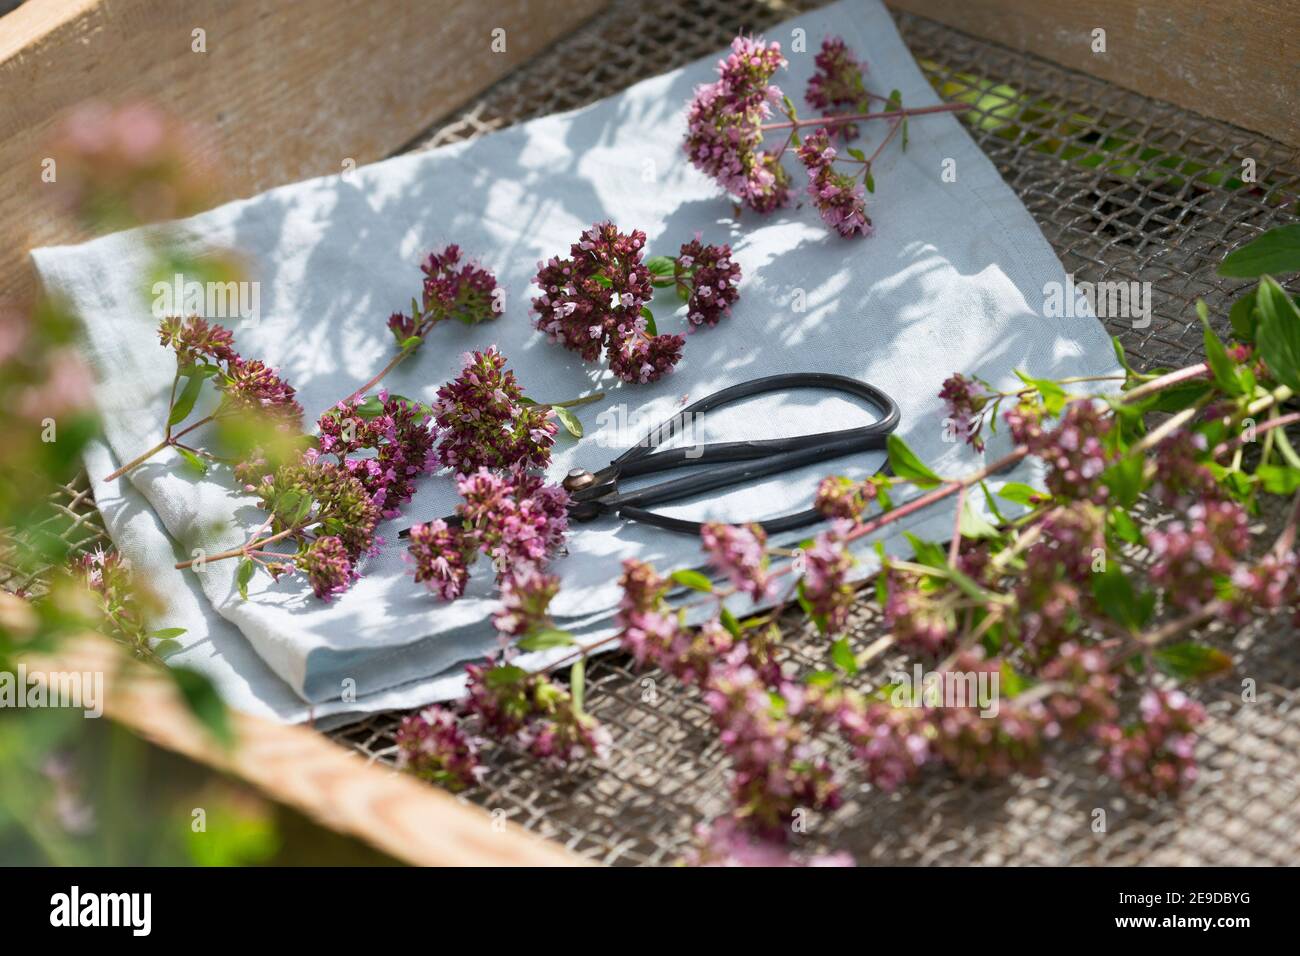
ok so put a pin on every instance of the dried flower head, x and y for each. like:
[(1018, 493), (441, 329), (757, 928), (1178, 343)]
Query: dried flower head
[(739, 552), (836, 84), (454, 288), (1157, 756), (724, 125), (541, 716), (526, 597), (966, 399), (432, 745), (710, 279), (486, 422), (726, 842), (844, 498), (840, 198), (592, 302), (892, 744), (775, 767), (441, 556), (824, 589), (327, 565), (513, 517), (400, 434)]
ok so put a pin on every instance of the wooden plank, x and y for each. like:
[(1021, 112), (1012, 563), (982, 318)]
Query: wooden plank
[(1237, 61), (406, 818), (288, 89)]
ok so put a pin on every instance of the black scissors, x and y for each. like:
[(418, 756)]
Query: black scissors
[(594, 494)]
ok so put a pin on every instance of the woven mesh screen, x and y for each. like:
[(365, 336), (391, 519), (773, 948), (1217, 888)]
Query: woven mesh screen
[(1125, 189)]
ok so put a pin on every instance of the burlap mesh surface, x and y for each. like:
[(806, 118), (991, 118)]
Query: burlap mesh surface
[(1125, 189)]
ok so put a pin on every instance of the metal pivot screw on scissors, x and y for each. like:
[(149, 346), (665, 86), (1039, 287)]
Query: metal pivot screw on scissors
[(594, 494)]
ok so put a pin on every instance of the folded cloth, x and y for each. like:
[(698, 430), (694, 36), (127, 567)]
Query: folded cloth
[(954, 279)]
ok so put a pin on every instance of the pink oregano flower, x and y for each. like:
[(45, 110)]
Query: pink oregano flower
[(596, 301), (724, 121), (728, 119), (453, 289), (513, 517), (485, 421)]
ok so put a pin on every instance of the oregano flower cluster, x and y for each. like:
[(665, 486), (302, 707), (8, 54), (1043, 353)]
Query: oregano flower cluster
[(1044, 610), (514, 517), (485, 420), (205, 352), (596, 301), (454, 288), (727, 122)]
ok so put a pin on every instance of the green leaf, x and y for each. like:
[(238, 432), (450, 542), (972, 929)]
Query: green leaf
[(1278, 479), (1191, 661), (969, 586), (546, 639), (906, 464), (1242, 317), (193, 462), (1023, 494), (661, 265), (1279, 332), (729, 622), (692, 579), (243, 576), (1216, 356), (842, 655), (1124, 479), (869, 181), (1013, 684), (683, 292), (503, 675), (1053, 395), (411, 342), (1121, 602), (928, 553), (971, 524), (602, 281), (1123, 526), (991, 503), (186, 399), (569, 420), (1119, 354), (1276, 251), (857, 154), (578, 684), (649, 320), (167, 633), (204, 702), (1178, 397)]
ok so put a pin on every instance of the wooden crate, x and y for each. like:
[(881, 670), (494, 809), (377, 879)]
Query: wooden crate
[(288, 89)]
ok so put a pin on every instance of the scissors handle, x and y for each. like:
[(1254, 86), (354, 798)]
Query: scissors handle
[(647, 458), (749, 460), (743, 472), (742, 461)]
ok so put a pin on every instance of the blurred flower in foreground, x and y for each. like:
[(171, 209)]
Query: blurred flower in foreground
[(727, 843), (129, 165)]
